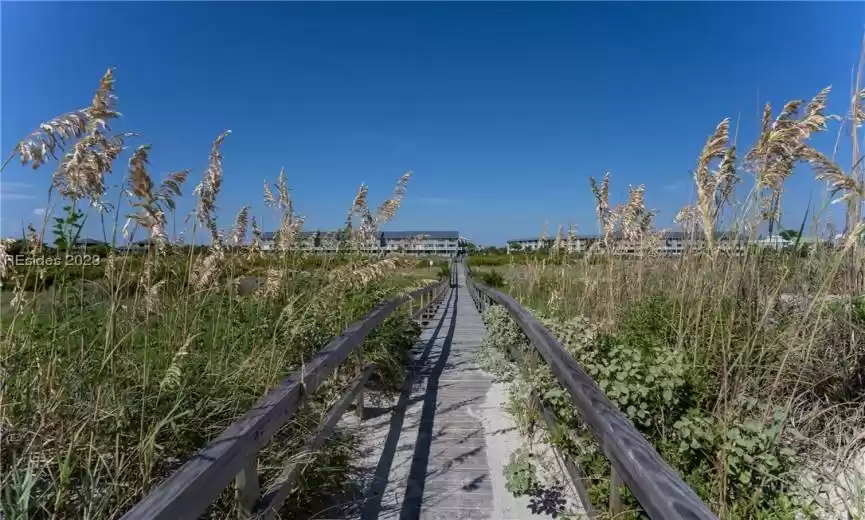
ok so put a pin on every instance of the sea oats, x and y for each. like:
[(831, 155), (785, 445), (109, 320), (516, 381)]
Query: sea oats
[(388, 209), (110, 268), (289, 230), (827, 170), (857, 112), (151, 214), (141, 185), (241, 224), (206, 268), (689, 218), (560, 239), (174, 373), (272, 283), (81, 171), (269, 199), (602, 200), (33, 240), (255, 247), (208, 189), (126, 232), (708, 184), (283, 192), (571, 240), (170, 188), (780, 145), (544, 235), (5, 257), (151, 296), (42, 144), (360, 208)]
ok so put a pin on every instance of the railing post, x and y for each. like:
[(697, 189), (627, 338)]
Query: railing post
[(615, 498), (248, 492), (358, 371)]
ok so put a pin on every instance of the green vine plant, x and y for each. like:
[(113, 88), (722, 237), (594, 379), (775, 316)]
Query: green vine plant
[(67, 229), (743, 465)]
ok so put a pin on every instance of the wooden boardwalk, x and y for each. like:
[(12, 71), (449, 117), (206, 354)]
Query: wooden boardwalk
[(426, 457), (439, 451)]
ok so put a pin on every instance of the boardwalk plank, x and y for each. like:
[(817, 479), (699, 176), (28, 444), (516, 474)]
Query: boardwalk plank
[(429, 456)]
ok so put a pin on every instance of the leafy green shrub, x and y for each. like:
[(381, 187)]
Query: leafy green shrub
[(742, 457), (492, 279), (520, 475)]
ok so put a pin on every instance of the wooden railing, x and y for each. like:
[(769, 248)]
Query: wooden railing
[(633, 460), (188, 492)]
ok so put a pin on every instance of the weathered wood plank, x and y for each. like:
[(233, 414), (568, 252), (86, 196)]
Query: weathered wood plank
[(188, 492), (657, 487), (248, 491)]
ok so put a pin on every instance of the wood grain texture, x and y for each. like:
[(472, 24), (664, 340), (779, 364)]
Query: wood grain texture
[(188, 492), (658, 488)]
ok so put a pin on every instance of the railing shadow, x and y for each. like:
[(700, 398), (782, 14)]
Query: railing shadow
[(374, 496), (412, 501)]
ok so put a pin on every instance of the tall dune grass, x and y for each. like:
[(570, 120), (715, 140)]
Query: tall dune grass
[(115, 374), (743, 365)]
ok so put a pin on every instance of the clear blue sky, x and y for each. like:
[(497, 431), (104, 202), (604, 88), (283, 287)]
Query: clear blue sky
[(503, 110)]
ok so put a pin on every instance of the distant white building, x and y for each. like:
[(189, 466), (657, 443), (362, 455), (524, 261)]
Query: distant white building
[(671, 243), (774, 242), (426, 243)]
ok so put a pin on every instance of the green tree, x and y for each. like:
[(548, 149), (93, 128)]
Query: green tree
[(789, 234)]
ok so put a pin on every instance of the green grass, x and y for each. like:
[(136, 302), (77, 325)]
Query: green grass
[(104, 397), (742, 390)]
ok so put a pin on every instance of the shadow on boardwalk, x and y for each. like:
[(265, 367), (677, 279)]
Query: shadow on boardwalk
[(411, 504)]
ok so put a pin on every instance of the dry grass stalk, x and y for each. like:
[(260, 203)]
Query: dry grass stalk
[(360, 276), (689, 219), (360, 209), (708, 183), (635, 220), (206, 268), (559, 242), (80, 174), (5, 257), (110, 265), (152, 205), (241, 224), (571, 242), (41, 145), (370, 224), (272, 283), (840, 183), (255, 250), (607, 217), (388, 209), (33, 240), (781, 144), (602, 200), (208, 189), (290, 223), (151, 296)]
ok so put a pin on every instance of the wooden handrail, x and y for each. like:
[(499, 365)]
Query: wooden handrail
[(188, 492), (657, 487)]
